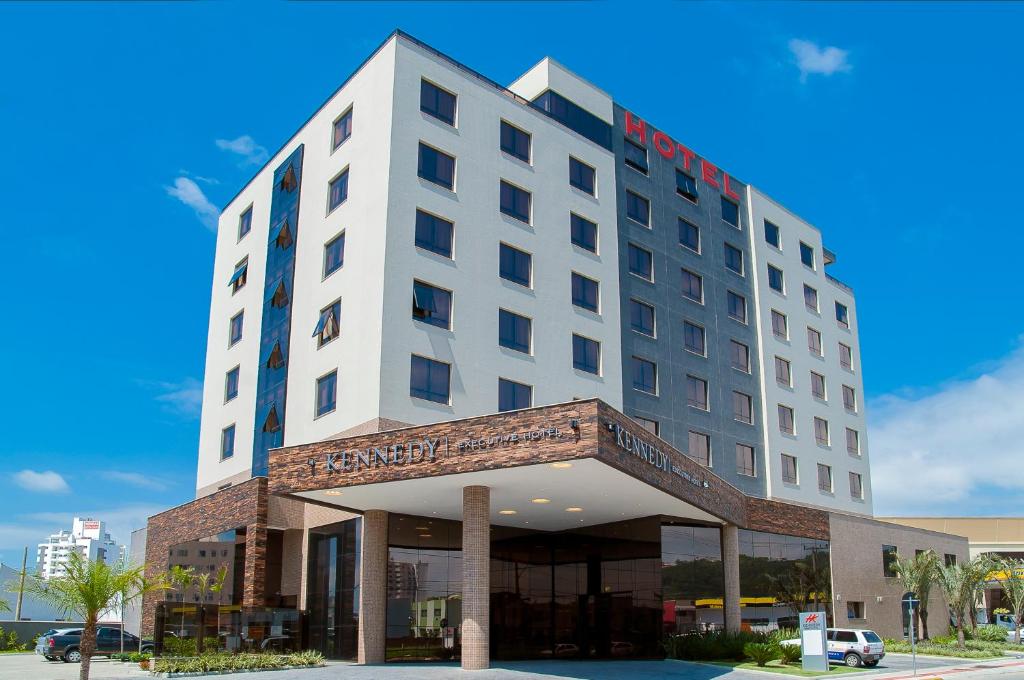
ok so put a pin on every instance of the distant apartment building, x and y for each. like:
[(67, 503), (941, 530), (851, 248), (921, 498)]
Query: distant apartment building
[(88, 537)]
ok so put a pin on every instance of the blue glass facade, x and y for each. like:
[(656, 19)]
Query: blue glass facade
[(275, 332)]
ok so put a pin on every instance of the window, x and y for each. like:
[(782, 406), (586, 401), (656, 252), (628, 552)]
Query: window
[(737, 306), (849, 398), (240, 276), (771, 234), (949, 560), (742, 408), (648, 424), (227, 442), (889, 561), (645, 375), (811, 298), (856, 486), (818, 385), (635, 156), (245, 223), (697, 392), (842, 315), (694, 338), (581, 176), (334, 254), (514, 265), (436, 167), (689, 235), (326, 393), (745, 460), (430, 380), (641, 317), (783, 374), (686, 186), (638, 208), (789, 475), (515, 142), (586, 354), (733, 259), (700, 448), (342, 129), (514, 331), (515, 202), (641, 262), (807, 255), (775, 280), (854, 610), (434, 233), (779, 327), (231, 384), (328, 326), (431, 305), (824, 478), (584, 292), (437, 102), (786, 424), (235, 328), (739, 355), (693, 286), (337, 190), (852, 442), (730, 212), (513, 395), (583, 232), (821, 431), (845, 357), (813, 341)]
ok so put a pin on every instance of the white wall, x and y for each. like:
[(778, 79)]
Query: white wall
[(802, 445)]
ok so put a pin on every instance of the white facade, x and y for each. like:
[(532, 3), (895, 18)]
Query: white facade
[(87, 537), (803, 443)]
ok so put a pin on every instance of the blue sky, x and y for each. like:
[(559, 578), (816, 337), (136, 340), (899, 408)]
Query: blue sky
[(894, 128)]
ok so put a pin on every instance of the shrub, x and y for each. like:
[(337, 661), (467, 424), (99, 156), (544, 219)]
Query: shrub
[(789, 653), (713, 645), (208, 663), (307, 658), (990, 633), (9, 641), (761, 652)]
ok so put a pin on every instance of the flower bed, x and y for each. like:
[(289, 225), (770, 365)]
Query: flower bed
[(221, 663)]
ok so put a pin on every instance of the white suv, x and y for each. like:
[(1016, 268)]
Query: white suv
[(852, 646)]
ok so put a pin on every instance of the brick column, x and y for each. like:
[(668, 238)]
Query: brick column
[(731, 567), (476, 577), (373, 587)]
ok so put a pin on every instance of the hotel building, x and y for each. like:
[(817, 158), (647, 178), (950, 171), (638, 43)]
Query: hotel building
[(510, 372)]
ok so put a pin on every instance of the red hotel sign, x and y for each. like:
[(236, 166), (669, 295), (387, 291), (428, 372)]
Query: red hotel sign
[(664, 145)]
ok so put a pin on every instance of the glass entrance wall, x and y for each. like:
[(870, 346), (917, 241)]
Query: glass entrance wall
[(780, 576), (333, 588), (692, 578)]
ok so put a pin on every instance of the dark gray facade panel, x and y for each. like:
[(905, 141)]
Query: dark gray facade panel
[(674, 363)]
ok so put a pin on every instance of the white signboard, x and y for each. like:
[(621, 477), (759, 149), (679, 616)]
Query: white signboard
[(813, 643)]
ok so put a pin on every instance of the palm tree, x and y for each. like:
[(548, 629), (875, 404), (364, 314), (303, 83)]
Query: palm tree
[(1013, 588), (180, 579), (917, 575), (204, 586), (88, 590), (962, 583), (4, 606)]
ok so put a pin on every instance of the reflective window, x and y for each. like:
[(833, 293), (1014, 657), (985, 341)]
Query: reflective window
[(742, 408), (845, 357), (515, 202), (641, 317), (430, 380), (824, 477), (770, 560), (811, 298), (434, 233), (645, 375), (775, 281), (326, 393), (337, 191), (231, 384), (686, 186), (697, 392), (699, 447), (515, 142), (235, 328), (692, 579), (689, 235), (227, 442), (849, 398), (584, 292), (514, 265), (779, 327), (245, 223), (783, 374), (745, 460), (342, 129), (581, 176), (814, 341), (821, 431), (437, 102), (334, 254), (586, 354), (648, 424), (693, 286), (431, 304), (730, 212), (739, 356), (436, 167), (583, 232), (842, 315), (856, 486), (771, 234), (575, 118), (514, 331), (786, 420), (641, 262), (638, 208), (889, 561), (513, 395), (852, 442), (807, 255), (737, 306), (694, 338), (635, 156), (333, 588), (818, 385), (733, 258), (789, 474)]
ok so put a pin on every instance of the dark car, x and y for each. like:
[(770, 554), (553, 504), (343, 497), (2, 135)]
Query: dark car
[(66, 644)]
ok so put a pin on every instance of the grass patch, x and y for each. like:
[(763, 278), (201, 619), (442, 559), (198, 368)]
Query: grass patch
[(784, 669)]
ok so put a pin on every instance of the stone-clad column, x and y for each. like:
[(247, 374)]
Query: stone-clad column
[(373, 590), (731, 567), (476, 577)]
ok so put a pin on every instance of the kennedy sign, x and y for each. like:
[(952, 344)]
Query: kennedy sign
[(651, 454)]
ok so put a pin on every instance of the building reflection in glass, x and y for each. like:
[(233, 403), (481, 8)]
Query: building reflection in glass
[(333, 588)]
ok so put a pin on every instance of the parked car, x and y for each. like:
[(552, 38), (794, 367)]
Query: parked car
[(854, 647), (65, 644)]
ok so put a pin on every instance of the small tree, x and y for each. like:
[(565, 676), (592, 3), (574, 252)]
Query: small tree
[(1013, 588), (88, 590), (207, 583), (961, 583), (917, 575), (180, 578)]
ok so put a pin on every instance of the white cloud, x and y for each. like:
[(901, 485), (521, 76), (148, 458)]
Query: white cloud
[(246, 147), (811, 58), (47, 481), (189, 193), (184, 398), (135, 479), (954, 451)]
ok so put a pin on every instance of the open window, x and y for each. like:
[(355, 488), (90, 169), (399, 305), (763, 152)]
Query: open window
[(279, 298), (272, 423), (328, 327), (276, 358), (282, 235), (289, 182), (239, 277)]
